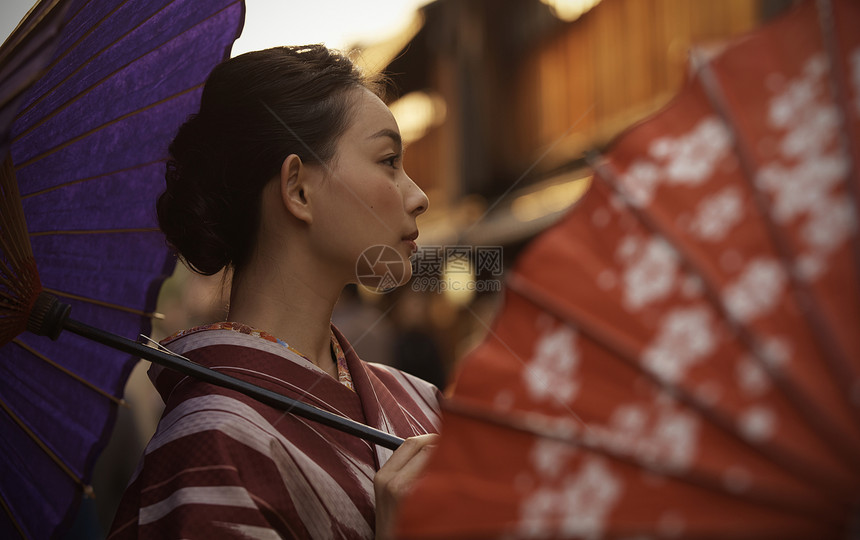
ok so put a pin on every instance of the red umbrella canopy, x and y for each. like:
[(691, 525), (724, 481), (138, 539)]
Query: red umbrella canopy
[(679, 356)]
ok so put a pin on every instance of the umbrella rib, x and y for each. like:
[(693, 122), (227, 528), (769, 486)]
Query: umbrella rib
[(18, 301), (836, 358), (605, 337), (59, 109), (617, 342), (71, 374), (526, 365), (21, 34), (9, 276), (595, 442), (72, 47), (94, 231), (77, 42), (11, 244), (839, 86), (808, 410), (7, 302), (86, 134), (23, 89), (89, 178), (12, 217), (19, 276), (8, 511), (88, 490), (18, 271), (149, 315)]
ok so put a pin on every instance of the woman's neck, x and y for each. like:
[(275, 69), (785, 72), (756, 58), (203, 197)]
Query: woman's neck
[(293, 305)]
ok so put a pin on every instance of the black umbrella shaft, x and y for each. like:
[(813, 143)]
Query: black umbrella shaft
[(208, 375)]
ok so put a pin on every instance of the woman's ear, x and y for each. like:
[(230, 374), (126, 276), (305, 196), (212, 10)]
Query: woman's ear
[(294, 188)]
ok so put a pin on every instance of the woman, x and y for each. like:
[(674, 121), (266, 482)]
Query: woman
[(291, 169)]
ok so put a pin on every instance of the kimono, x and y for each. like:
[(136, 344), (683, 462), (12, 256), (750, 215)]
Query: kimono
[(222, 465)]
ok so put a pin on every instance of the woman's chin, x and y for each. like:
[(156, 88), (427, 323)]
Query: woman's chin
[(383, 268), (407, 275)]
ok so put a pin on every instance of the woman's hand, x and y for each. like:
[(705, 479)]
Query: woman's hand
[(396, 477)]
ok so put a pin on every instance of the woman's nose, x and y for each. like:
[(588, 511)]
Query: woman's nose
[(416, 200)]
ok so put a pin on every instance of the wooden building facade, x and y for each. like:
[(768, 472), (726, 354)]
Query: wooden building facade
[(526, 93)]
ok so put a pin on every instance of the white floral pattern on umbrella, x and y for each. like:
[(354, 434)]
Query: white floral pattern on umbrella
[(713, 386), (717, 215)]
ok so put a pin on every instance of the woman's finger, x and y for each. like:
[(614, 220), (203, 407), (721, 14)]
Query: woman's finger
[(407, 451), (396, 477)]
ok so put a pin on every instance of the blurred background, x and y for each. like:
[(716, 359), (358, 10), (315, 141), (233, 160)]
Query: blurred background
[(497, 102)]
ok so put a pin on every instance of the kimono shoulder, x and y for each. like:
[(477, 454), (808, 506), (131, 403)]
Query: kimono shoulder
[(224, 465)]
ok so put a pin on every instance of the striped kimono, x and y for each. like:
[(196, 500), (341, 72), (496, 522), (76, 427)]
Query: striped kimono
[(222, 465)]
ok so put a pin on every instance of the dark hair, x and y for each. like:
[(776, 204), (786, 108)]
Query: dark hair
[(256, 109)]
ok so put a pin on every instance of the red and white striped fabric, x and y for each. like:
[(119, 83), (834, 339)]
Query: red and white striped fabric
[(225, 466)]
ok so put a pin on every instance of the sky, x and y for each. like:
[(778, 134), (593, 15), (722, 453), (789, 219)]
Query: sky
[(337, 23)]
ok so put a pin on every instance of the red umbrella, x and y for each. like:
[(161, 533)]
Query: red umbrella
[(679, 356)]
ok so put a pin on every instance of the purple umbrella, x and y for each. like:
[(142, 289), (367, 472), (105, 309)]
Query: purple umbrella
[(87, 145)]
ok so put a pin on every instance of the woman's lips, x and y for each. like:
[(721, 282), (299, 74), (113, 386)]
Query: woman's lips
[(410, 241)]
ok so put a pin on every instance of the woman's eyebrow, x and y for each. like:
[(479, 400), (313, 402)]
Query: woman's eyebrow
[(391, 134)]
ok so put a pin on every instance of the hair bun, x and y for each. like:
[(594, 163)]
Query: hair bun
[(191, 213), (255, 110)]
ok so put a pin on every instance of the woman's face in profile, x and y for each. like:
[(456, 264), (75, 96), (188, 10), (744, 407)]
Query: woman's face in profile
[(368, 198)]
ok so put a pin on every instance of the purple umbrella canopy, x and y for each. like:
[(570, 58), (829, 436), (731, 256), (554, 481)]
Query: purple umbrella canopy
[(88, 145), (23, 57)]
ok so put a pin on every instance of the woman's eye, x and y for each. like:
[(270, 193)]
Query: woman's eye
[(392, 161)]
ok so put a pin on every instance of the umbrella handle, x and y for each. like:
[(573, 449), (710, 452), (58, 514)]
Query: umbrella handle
[(57, 319)]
